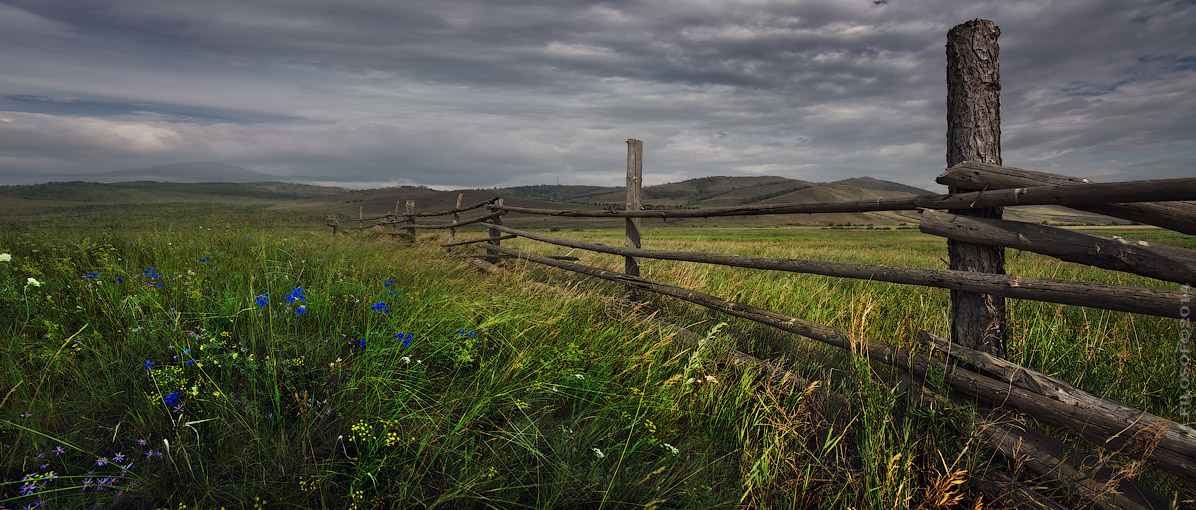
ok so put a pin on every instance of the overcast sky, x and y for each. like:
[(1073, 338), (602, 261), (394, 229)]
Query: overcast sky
[(478, 93)]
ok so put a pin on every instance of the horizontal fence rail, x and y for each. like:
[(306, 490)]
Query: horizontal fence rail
[(1146, 300), (1134, 191), (1177, 216), (478, 205)]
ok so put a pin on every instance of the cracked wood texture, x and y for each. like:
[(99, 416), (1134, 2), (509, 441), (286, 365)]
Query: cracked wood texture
[(974, 134)]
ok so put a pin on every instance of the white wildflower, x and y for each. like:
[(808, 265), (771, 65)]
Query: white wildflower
[(672, 449), (33, 281), (5, 257), (406, 359), (598, 453), (579, 376)]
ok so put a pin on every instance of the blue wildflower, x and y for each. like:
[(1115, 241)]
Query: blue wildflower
[(172, 398), (262, 300), (361, 342), (296, 294), (301, 310), (148, 364), (388, 283), (91, 275), (205, 259), (381, 307), (405, 337)]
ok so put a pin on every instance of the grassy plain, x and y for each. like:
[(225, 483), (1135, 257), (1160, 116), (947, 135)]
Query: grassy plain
[(229, 352)]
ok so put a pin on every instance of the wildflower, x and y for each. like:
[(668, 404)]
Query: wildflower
[(301, 310), (388, 283), (672, 449), (296, 294), (32, 281), (405, 337), (381, 307), (101, 461), (406, 359), (141, 442), (262, 300), (58, 450), (149, 454), (148, 364), (91, 275), (361, 342), (5, 257), (172, 398), (579, 376), (598, 453), (205, 259), (119, 457)]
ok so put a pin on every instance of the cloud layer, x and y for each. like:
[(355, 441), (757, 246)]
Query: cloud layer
[(469, 93)]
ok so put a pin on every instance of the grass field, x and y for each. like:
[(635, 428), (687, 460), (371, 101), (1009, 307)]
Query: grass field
[(232, 354)]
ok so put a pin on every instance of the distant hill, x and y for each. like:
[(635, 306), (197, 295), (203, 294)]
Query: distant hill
[(879, 185), (218, 182), (197, 171)]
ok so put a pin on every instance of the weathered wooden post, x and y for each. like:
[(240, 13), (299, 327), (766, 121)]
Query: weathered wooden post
[(494, 234), (974, 134), (456, 219), (635, 177), (361, 217), (411, 220)]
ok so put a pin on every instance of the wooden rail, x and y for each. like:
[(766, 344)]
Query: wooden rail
[(1146, 300), (1133, 191)]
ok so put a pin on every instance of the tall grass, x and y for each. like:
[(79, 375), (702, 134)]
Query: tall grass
[(189, 361)]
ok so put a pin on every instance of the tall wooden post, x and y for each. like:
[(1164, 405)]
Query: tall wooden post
[(494, 234), (411, 220), (456, 219), (635, 177), (974, 134), (361, 217)]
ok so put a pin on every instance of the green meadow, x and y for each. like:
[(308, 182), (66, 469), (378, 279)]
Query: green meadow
[(234, 354)]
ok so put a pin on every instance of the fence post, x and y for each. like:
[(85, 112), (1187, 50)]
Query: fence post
[(974, 134), (456, 219), (394, 225), (361, 217), (635, 177), (494, 234), (411, 220)]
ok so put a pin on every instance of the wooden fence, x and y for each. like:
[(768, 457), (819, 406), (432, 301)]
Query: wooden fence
[(972, 361)]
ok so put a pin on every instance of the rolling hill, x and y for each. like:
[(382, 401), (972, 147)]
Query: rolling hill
[(234, 185)]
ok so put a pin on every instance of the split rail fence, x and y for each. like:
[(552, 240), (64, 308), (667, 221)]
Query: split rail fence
[(971, 362)]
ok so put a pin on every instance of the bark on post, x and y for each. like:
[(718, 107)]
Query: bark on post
[(411, 220), (635, 174), (361, 217), (494, 234), (456, 218), (974, 134)]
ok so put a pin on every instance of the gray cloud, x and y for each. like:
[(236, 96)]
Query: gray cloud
[(473, 93)]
